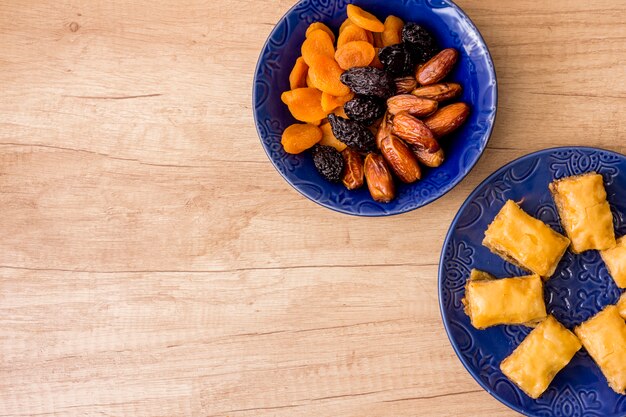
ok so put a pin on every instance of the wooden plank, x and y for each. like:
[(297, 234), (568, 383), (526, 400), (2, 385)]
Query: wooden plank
[(335, 338)]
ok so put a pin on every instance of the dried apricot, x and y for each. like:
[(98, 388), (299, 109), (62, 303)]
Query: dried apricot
[(325, 74), (339, 111), (376, 61), (364, 19), (378, 40), (317, 43), (352, 33), (319, 25), (298, 137), (305, 104), (330, 102), (329, 139), (344, 25), (297, 77), (309, 82), (393, 31), (355, 54)]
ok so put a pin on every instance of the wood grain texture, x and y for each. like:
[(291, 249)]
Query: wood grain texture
[(153, 263)]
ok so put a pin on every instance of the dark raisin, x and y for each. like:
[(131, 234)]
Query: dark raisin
[(352, 133), (397, 60), (365, 109), (369, 81), (419, 42), (328, 162)]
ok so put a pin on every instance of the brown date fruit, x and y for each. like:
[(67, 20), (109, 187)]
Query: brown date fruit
[(411, 104), (439, 92), (430, 159), (384, 130), (401, 160), (352, 176), (414, 132), (437, 67), (405, 85), (379, 179), (447, 118)]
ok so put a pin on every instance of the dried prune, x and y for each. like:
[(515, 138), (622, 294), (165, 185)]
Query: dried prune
[(397, 60), (365, 109), (328, 162), (352, 133), (416, 34), (419, 42), (369, 81)]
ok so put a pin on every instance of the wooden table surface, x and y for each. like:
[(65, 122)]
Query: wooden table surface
[(153, 262)]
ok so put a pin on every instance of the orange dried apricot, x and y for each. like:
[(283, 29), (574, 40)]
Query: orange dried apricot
[(325, 73), (364, 19), (309, 82), (305, 104), (393, 31), (378, 40), (352, 33), (320, 26), (375, 62), (317, 43), (344, 25), (339, 111), (298, 137), (329, 139), (355, 54), (297, 77), (330, 102)]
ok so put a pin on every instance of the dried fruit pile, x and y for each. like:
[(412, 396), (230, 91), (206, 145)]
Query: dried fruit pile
[(372, 101)]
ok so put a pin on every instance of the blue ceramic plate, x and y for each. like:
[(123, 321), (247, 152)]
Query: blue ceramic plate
[(580, 287), (451, 27)]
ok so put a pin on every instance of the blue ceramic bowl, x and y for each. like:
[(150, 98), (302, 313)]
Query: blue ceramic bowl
[(580, 287), (475, 71)]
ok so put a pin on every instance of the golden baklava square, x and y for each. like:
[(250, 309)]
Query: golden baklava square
[(604, 337), (585, 214), (615, 261), (542, 354), (525, 241), (490, 301)]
